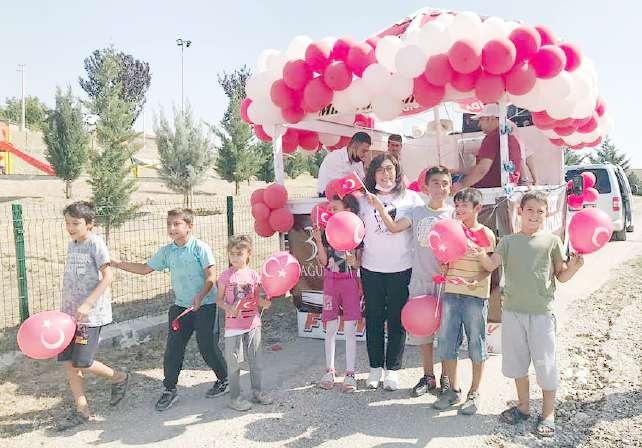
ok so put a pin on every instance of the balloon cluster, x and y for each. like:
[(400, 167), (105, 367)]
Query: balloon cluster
[(589, 194), (269, 211), (299, 138), (438, 57)]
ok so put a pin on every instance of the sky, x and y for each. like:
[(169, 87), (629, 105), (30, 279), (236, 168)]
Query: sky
[(53, 38)]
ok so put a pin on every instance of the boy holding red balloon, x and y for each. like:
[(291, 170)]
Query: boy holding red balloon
[(532, 260), (86, 296)]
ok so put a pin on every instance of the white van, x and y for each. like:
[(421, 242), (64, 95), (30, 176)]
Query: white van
[(615, 194)]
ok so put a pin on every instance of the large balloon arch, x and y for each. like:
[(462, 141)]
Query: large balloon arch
[(429, 58)]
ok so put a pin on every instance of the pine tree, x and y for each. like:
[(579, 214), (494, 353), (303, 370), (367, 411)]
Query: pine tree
[(66, 139), (266, 170), (608, 153), (186, 153), (110, 162), (296, 164), (315, 162), (573, 157)]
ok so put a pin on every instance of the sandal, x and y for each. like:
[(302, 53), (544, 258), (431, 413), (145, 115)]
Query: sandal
[(513, 416), (545, 427)]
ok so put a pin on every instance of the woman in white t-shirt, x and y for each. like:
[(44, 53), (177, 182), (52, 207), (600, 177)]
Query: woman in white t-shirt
[(385, 269)]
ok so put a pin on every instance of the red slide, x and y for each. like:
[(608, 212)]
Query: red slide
[(42, 166)]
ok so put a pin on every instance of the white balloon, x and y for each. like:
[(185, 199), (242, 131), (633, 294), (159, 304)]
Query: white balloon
[(532, 100), (329, 139), (400, 86), (411, 37), (411, 61), (560, 109), (387, 108), (376, 78), (434, 38), (466, 25), (341, 102), (511, 25), (329, 41), (417, 131), (494, 28), (264, 112), (573, 139), (549, 133), (276, 62), (558, 87), (258, 85), (296, 49), (583, 107), (358, 94), (386, 51), (269, 130), (445, 18), (263, 59)]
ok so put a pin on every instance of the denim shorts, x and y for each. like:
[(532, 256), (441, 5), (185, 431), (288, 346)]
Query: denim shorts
[(460, 310)]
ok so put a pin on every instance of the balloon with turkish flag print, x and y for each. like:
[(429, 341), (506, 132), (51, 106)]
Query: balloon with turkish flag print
[(46, 334), (279, 273)]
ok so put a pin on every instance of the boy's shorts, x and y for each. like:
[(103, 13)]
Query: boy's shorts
[(82, 348), (341, 291), (469, 312), (526, 338), (420, 287)]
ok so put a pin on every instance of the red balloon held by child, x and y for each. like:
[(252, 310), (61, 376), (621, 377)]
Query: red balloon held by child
[(46, 334), (421, 316), (589, 230), (280, 272), (344, 231), (447, 240)]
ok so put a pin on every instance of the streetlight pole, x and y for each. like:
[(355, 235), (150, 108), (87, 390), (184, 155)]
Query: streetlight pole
[(183, 44), (23, 111)]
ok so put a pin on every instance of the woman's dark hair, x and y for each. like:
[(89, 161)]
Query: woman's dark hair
[(81, 210), (376, 163), (348, 201)]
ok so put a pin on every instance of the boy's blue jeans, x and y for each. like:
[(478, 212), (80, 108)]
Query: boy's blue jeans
[(462, 312)]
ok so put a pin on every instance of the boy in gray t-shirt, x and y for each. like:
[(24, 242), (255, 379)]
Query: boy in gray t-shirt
[(87, 298)]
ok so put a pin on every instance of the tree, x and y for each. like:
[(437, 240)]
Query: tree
[(608, 153), (315, 162), (266, 170), (66, 139), (573, 157), (131, 74), (186, 153), (296, 164), (35, 112), (110, 162)]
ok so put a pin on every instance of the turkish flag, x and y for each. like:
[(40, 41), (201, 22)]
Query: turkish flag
[(350, 184), (477, 236), (321, 215)]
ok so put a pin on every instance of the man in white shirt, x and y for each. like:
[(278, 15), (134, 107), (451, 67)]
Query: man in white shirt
[(340, 163)]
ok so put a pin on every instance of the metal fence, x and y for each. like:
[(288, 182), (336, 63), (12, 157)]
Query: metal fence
[(42, 228)]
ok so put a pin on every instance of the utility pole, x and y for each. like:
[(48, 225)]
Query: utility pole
[(23, 115), (183, 44)]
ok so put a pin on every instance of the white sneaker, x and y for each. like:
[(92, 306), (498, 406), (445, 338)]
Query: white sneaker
[(374, 378), (391, 382)]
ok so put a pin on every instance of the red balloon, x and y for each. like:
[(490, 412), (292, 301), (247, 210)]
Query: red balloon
[(263, 228), (575, 202), (464, 56), (309, 140), (589, 179), (281, 220), (564, 123), (345, 231), (547, 36), (590, 125), (564, 131), (317, 95), (293, 114), (333, 188), (447, 240), (421, 316), (591, 195), (438, 70), (498, 56), (245, 104), (342, 47), (337, 76), (579, 122), (527, 41), (275, 196), (426, 94), (548, 61), (46, 334), (279, 273), (257, 196), (600, 106), (414, 186), (261, 134), (520, 79), (281, 94), (421, 179), (296, 74), (360, 56), (542, 120), (557, 141), (260, 211), (573, 56), (290, 141), (489, 88), (589, 230), (317, 56), (465, 82)]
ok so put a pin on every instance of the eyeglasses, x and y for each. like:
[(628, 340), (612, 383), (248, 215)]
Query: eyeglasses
[(390, 169)]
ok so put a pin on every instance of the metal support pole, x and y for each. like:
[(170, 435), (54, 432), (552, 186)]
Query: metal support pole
[(230, 215), (277, 153), (503, 140), (21, 261)]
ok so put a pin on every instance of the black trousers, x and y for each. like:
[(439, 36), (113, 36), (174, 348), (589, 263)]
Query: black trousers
[(386, 294), (204, 323)]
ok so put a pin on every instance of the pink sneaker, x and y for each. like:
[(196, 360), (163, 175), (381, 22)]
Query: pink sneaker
[(327, 380)]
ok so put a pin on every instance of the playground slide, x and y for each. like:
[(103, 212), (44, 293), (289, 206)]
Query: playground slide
[(42, 166)]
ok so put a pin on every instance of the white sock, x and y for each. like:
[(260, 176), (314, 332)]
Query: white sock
[(350, 332), (331, 328)]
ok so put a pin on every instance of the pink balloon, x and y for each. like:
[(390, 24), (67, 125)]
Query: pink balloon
[(543, 121), (600, 106), (421, 179), (280, 273), (438, 70), (317, 56), (465, 82), (465, 56), (520, 79), (573, 56), (275, 196), (498, 56), (293, 114), (46, 334), (590, 125), (489, 88), (557, 141), (421, 316), (263, 228), (345, 231), (589, 179), (549, 61), (360, 56), (309, 140), (281, 94), (245, 104), (547, 36), (260, 211), (447, 240), (414, 186), (296, 74), (317, 95), (290, 141), (591, 195), (343, 142), (589, 230), (342, 47), (527, 41), (564, 131), (575, 202), (426, 94), (281, 220), (337, 76), (257, 196), (261, 134), (333, 188)]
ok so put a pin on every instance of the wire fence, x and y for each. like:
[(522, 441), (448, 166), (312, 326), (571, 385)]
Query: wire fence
[(45, 246)]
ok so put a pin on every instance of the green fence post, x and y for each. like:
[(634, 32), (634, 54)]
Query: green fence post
[(21, 261), (230, 215)]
